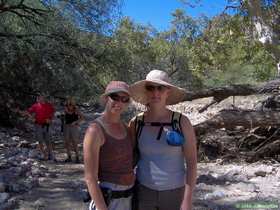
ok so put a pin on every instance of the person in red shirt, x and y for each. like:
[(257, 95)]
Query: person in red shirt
[(42, 113)]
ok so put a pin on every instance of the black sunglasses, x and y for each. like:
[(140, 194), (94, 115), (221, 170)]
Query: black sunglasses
[(116, 97), (155, 87)]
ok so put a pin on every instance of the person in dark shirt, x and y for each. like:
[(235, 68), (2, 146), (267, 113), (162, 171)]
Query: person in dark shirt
[(72, 119)]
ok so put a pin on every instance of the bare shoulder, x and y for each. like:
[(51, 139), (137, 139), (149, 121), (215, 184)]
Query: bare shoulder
[(185, 122), (94, 132), (187, 129)]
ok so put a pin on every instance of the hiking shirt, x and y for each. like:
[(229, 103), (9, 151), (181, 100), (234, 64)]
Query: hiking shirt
[(161, 166), (43, 111)]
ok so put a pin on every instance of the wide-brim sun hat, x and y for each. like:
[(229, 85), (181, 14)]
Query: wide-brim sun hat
[(139, 94), (115, 87)]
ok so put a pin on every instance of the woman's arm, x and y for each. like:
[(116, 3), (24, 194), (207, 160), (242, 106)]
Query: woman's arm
[(190, 154), (93, 140), (81, 117)]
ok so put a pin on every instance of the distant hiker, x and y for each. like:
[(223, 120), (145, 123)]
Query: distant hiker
[(71, 129), (165, 142), (42, 113), (108, 153)]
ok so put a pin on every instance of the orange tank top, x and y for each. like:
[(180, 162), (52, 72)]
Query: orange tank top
[(116, 160)]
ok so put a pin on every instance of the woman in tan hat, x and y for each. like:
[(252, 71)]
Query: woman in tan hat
[(166, 143), (108, 153)]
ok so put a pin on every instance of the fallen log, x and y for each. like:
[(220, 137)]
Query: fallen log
[(221, 93), (245, 118)]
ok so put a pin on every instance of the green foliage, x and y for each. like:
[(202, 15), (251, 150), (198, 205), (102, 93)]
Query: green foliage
[(76, 47), (43, 50)]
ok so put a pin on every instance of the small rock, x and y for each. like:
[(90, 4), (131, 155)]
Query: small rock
[(16, 188), (41, 180), (2, 135), (260, 173), (24, 144), (39, 203), (4, 197), (15, 138), (33, 154), (215, 195), (2, 187), (249, 187), (51, 175), (36, 172)]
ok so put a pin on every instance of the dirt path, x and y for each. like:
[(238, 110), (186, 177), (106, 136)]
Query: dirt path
[(61, 190)]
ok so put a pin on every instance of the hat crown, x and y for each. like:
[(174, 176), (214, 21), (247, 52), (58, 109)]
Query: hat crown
[(158, 75), (117, 86)]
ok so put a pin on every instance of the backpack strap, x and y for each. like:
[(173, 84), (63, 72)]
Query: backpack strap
[(139, 124), (176, 121)]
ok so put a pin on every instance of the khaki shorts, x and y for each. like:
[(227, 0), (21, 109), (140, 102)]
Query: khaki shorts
[(71, 133), (149, 199), (42, 134)]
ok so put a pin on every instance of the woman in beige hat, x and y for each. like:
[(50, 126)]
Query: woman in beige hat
[(108, 153), (164, 149)]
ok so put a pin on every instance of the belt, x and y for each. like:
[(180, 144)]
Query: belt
[(107, 192)]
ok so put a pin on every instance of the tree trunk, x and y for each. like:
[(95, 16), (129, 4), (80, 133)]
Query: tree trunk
[(221, 93)]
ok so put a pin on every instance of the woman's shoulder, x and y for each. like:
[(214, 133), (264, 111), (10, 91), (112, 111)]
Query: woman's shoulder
[(94, 127), (95, 130)]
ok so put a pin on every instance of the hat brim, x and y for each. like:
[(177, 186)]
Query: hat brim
[(116, 90), (139, 94)]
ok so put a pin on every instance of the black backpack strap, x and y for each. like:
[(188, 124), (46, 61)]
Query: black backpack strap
[(176, 121), (139, 124)]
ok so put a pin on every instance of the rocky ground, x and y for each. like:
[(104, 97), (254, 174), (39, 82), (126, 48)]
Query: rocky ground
[(27, 183)]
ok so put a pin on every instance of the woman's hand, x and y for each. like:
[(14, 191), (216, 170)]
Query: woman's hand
[(76, 123), (186, 204)]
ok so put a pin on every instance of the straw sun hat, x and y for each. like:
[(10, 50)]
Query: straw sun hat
[(138, 90)]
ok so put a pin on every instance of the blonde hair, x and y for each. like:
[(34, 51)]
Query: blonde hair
[(70, 101)]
